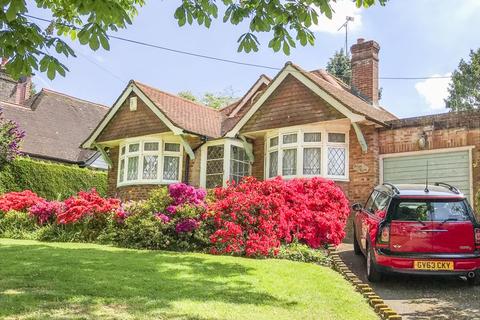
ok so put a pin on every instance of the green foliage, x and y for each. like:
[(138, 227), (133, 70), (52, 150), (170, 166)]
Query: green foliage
[(17, 225), (340, 66), (158, 200), (213, 100), (300, 252), (89, 22), (85, 21), (50, 180), (464, 89)]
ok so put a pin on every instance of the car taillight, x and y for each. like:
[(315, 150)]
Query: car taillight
[(384, 235), (477, 236)]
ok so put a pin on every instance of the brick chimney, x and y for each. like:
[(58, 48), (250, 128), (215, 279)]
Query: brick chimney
[(13, 91), (365, 69)]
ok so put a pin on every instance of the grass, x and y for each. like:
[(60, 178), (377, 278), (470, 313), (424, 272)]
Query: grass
[(84, 281)]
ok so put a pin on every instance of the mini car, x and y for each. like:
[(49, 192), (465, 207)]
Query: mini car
[(417, 229)]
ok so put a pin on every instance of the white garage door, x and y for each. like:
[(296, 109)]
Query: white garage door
[(450, 167)]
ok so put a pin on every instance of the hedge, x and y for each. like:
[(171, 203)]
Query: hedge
[(50, 180)]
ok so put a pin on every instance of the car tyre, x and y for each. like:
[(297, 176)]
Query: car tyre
[(373, 275), (356, 245)]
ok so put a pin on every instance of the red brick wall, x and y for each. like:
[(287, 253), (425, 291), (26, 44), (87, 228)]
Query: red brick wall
[(127, 124)]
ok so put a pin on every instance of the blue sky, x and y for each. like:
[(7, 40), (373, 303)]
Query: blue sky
[(417, 38)]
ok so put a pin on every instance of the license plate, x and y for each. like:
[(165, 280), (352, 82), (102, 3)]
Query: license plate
[(433, 265)]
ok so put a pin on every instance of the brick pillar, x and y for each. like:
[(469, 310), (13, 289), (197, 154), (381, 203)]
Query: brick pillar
[(365, 69)]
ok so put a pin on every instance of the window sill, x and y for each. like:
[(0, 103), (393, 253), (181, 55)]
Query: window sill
[(154, 182)]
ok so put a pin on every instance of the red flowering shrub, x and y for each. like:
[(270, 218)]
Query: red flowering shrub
[(87, 204), (254, 217), (18, 201)]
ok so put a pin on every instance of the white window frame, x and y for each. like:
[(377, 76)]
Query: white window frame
[(141, 153), (227, 143), (324, 130)]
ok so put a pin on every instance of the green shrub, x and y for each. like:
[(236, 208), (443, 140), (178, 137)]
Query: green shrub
[(300, 252), (50, 180), (17, 225)]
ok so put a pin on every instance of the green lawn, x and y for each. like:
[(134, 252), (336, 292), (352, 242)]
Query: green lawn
[(83, 281)]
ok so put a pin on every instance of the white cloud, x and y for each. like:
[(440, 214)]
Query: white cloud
[(341, 9), (434, 91)]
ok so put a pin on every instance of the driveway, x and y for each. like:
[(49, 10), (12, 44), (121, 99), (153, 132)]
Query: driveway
[(421, 297)]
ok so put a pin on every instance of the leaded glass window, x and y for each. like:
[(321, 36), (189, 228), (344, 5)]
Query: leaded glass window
[(171, 167), (289, 138), (289, 162), (336, 161), (172, 147), (336, 137), (150, 167), (273, 164), (312, 137), (273, 142), (239, 163), (312, 161), (122, 170), (147, 162), (132, 168), (214, 174)]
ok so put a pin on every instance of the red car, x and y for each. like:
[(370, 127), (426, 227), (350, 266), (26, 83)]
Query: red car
[(416, 229)]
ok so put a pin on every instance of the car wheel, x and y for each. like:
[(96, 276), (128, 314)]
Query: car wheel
[(475, 281), (373, 275), (356, 246)]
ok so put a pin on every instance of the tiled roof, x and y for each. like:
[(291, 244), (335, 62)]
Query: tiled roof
[(185, 114), (56, 125), (340, 92)]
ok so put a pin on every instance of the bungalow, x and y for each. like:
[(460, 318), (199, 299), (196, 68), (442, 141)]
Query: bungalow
[(298, 124)]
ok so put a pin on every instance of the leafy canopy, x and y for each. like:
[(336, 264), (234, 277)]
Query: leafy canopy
[(213, 100), (340, 66), (464, 89), (31, 47)]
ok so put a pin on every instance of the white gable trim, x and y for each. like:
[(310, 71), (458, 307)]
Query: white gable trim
[(111, 113), (290, 70), (250, 95)]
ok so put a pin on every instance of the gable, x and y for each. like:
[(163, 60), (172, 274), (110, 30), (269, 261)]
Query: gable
[(292, 103), (128, 124)]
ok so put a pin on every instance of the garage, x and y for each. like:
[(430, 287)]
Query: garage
[(451, 166)]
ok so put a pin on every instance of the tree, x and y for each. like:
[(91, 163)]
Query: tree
[(213, 100), (27, 44), (340, 66), (464, 89)]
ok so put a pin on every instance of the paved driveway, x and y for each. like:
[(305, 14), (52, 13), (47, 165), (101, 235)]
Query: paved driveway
[(421, 297)]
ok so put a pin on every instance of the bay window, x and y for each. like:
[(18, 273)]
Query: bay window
[(222, 161), (149, 161), (307, 153)]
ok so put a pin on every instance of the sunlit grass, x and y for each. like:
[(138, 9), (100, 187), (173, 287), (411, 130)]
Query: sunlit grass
[(83, 281)]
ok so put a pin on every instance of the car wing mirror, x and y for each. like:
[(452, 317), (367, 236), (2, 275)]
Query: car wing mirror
[(357, 207)]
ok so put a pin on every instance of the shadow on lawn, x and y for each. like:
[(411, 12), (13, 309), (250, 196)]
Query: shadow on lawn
[(45, 279)]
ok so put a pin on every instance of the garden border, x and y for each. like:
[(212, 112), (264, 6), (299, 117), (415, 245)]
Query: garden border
[(377, 303)]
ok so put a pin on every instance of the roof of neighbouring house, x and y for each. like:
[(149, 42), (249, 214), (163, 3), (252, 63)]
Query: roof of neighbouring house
[(55, 125)]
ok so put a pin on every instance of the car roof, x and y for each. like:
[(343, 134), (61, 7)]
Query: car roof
[(405, 190)]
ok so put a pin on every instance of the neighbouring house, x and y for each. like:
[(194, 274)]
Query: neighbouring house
[(55, 124), (298, 124)]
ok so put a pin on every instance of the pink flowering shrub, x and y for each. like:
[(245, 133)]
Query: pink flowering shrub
[(254, 217), (45, 211)]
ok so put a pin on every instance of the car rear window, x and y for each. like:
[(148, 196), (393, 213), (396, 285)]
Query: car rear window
[(431, 210)]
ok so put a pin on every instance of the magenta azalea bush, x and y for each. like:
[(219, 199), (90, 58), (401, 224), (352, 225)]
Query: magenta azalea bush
[(10, 138)]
